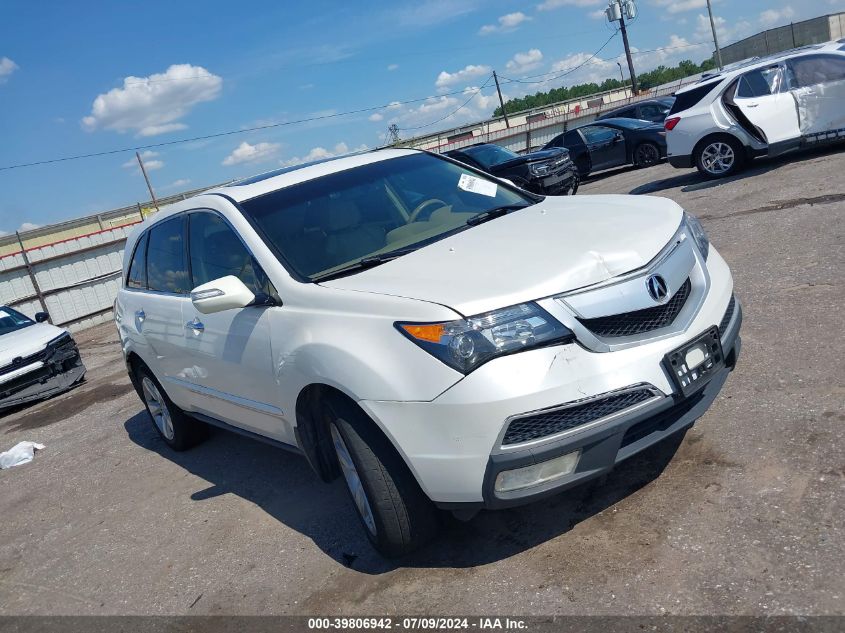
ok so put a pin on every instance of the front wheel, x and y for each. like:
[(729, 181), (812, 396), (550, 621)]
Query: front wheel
[(720, 157), (396, 514)]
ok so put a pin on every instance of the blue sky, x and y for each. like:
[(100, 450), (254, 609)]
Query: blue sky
[(84, 77)]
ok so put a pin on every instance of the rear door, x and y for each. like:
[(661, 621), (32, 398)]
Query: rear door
[(606, 146), (818, 84), (763, 99), (228, 355)]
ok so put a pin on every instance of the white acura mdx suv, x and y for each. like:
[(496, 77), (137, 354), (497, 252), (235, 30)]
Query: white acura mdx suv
[(762, 107), (440, 338)]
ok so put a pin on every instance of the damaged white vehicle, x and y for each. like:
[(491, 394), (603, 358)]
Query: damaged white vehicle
[(37, 359), (438, 337), (763, 107)]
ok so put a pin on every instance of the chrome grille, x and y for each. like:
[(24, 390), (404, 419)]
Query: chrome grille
[(545, 423), (640, 321)]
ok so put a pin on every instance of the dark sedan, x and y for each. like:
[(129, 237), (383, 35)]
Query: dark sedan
[(547, 172), (654, 110), (612, 143)]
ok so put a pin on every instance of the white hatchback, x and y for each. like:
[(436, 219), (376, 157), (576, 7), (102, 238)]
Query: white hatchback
[(763, 107), (438, 337)]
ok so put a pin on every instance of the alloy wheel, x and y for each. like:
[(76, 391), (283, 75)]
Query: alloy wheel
[(353, 481), (718, 158), (158, 408), (647, 155)]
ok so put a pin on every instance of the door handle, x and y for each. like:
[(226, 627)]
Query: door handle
[(753, 105), (140, 315), (195, 325)]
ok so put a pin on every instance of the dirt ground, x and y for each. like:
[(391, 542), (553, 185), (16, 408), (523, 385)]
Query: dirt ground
[(742, 514)]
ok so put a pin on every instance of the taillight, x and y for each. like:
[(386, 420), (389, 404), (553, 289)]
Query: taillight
[(670, 124)]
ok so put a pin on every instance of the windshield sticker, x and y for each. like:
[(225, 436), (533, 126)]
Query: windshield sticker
[(477, 185)]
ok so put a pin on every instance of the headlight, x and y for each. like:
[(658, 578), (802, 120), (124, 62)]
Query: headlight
[(698, 234), (61, 340), (466, 344), (540, 169)]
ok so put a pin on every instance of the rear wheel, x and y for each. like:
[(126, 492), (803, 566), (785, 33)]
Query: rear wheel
[(395, 512), (179, 431), (720, 157), (646, 155)]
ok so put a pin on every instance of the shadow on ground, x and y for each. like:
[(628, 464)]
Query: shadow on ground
[(284, 486)]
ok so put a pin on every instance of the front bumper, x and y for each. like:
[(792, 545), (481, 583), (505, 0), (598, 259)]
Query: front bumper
[(561, 181), (54, 370)]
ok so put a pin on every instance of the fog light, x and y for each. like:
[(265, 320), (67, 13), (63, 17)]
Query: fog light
[(509, 480)]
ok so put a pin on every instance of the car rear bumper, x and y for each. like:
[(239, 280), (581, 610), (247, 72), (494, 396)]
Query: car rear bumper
[(58, 370)]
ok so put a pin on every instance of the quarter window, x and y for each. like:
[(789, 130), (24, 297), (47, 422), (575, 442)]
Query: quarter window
[(167, 269), (137, 277), (216, 251)]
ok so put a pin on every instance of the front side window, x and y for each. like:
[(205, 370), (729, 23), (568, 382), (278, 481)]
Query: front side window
[(597, 134), (816, 69), (12, 320), (137, 277), (390, 206), (216, 251), (760, 83), (167, 267)]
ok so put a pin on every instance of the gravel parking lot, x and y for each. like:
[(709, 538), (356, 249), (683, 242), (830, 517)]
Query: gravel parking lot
[(740, 515)]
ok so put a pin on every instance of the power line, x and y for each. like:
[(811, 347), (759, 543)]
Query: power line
[(231, 132), (459, 108)]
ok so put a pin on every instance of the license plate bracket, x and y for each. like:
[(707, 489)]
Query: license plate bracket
[(694, 363)]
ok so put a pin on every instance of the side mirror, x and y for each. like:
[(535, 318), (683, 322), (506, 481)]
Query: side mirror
[(225, 293), (41, 317)]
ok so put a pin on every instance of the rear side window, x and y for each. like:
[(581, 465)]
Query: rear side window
[(167, 268), (686, 100), (137, 277), (652, 111), (597, 134), (628, 113), (816, 69), (760, 83)]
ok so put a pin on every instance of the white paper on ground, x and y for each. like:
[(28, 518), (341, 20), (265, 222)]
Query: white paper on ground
[(478, 185), (20, 453)]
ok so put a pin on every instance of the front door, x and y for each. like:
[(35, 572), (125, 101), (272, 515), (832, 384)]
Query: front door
[(762, 97), (606, 146), (818, 85)]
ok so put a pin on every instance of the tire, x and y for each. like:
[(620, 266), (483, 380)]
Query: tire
[(646, 155), (719, 157), (178, 430), (396, 514)]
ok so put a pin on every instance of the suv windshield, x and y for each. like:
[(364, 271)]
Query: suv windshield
[(12, 320), (489, 155), (323, 225)]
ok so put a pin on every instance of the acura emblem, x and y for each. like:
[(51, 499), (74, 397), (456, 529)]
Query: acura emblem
[(657, 288)]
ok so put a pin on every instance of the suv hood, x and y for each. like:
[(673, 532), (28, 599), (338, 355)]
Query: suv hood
[(560, 244), (26, 341)]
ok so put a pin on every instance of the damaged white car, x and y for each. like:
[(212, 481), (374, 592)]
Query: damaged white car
[(763, 107), (438, 337), (37, 359)]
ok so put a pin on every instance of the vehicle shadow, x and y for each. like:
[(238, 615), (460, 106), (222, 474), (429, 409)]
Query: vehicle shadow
[(690, 181), (283, 485)]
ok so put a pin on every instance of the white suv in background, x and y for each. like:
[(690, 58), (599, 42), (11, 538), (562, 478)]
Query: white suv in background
[(438, 337), (763, 107)]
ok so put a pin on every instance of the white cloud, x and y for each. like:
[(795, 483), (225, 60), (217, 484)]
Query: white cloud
[(506, 23), (424, 13), (548, 5), (376, 117), (523, 62), (771, 17), (598, 14), (178, 184), (392, 67), (151, 162), (443, 111), (153, 105), (246, 153), (28, 226), (470, 72), (678, 6), (319, 153), (727, 32), (7, 67)]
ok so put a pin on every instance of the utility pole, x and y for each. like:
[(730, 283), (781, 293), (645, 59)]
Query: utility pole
[(715, 39), (617, 11), (149, 186), (501, 101)]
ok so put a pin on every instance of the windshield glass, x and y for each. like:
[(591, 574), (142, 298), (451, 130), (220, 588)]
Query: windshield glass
[(489, 155), (402, 203), (11, 320)]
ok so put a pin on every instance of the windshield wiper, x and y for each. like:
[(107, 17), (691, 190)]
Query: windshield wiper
[(365, 262), (491, 214)]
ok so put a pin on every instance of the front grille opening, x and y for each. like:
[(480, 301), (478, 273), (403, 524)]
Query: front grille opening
[(640, 321), (660, 422), (544, 424), (729, 314)]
